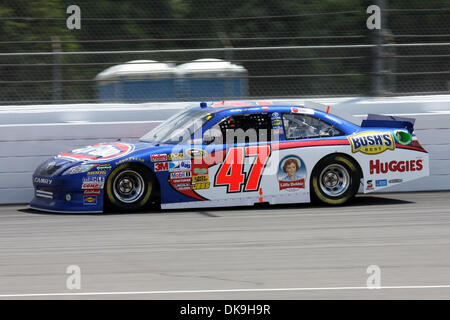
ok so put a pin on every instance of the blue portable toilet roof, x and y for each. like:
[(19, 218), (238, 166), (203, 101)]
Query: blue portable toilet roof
[(210, 65), (137, 69)]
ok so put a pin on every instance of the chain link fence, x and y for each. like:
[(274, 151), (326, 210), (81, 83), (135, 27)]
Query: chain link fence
[(287, 49)]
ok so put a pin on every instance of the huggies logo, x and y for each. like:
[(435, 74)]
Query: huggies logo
[(377, 167), (372, 142)]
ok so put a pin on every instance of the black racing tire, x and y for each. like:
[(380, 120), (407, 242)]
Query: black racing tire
[(129, 187), (335, 180)]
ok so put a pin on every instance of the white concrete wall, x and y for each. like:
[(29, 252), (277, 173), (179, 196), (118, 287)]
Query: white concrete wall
[(24, 147), (31, 134)]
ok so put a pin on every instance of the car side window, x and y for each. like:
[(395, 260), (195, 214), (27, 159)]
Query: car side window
[(242, 128), (303, 126)]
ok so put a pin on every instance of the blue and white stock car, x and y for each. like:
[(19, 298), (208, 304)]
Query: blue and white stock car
[(233, 154)]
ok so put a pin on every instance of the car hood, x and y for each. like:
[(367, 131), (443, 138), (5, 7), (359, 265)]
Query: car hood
[(101, 153)]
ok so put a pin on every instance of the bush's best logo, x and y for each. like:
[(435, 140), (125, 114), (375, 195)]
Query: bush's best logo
[(372, 142)]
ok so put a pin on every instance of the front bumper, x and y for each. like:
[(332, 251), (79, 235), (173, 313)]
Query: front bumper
[(65, 194)]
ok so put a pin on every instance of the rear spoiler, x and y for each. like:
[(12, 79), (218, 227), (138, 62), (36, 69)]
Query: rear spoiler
[(377, 120)]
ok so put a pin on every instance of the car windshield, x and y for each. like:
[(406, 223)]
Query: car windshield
[(178, 128)]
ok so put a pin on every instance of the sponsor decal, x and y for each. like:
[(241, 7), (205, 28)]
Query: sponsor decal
[(196, 153), (180, 185), (395, 180), (181, 180), (181, 174), (277, 122), (369, 185), (202, 178), (179, 166), (130, 159), (372, 142), (175, 156), (185, 188), (381, 183), (201, 185), (99, 152), (92, 192), (377, 167), (276, 116), (161, 166), (91, 173), (302, 110), (104, 167), (94, 179), (291, 173), (200, 170), (92, 185), (43, 180), (158, 157), (90, 200)]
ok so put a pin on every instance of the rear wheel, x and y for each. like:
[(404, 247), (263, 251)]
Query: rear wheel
[(129, 187), (335, 180)]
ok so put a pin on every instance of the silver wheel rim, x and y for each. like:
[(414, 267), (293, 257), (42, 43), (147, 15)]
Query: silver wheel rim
[(334, 180), (128, 186)]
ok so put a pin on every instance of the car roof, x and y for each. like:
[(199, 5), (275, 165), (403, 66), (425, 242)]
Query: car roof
[(226, 108)]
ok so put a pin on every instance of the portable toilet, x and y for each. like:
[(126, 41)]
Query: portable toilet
[(211, 78), (137, 81)]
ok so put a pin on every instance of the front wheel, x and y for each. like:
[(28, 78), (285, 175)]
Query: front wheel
[(335, 180), (129, 187)]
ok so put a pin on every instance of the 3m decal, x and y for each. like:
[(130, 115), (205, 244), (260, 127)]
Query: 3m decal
[(99, 152), (162, 166), (377, 167), (231, 173), (372, 142), (158, 157), (291, 173)]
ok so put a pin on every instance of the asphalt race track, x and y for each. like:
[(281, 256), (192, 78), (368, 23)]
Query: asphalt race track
[(279, 252)]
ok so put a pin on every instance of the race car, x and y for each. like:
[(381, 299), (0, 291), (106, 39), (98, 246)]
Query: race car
[(235, 154)]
